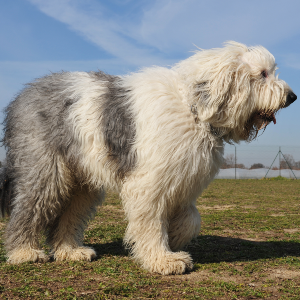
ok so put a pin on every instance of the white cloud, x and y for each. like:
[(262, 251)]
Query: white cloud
[(89, 20), (173, 26)]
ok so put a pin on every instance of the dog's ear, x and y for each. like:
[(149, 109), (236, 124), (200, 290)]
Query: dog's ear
[(227, 89)]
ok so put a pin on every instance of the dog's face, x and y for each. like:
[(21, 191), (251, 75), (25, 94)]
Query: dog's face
[(236, 89), (267, 93)]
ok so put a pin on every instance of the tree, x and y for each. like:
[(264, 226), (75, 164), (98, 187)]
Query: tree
[(230, 160), (257, 166), (287, 162), (240, 166), (297, 165)]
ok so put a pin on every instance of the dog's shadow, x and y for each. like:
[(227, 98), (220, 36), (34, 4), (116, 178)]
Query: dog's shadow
[(115, 248), (215, 249)]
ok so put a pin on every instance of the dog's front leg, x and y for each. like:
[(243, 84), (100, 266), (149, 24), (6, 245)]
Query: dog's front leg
[(147, 235), (183, 226)]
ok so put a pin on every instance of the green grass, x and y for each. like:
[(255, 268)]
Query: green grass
[(248, 248)]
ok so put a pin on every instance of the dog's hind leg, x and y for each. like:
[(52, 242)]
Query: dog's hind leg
[(40, 194), (22, 232), (183, 226), (22, 243), (65, 235), (147, 233)]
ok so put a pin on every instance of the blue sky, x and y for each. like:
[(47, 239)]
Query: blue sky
[(121, 36)]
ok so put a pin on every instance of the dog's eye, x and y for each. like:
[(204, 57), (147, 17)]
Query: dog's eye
[(264, 74)]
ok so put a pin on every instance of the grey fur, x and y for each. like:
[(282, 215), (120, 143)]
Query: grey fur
[(118, 125), (5, 193), (38, 140), (35, 137)]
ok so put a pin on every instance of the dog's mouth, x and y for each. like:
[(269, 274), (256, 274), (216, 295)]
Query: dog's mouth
[(263, 118), (259, 120)]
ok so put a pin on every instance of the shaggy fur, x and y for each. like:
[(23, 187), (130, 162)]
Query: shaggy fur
[(156, 136)]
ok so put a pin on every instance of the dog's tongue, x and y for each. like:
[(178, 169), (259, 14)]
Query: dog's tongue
[(273, 118)]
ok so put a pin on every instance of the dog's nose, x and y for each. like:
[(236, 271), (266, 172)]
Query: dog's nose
[(290, 98)]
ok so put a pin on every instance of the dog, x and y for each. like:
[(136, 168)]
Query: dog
[(156, 137)]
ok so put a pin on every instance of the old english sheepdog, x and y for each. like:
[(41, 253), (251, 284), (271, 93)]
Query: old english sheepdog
[(156, 136)]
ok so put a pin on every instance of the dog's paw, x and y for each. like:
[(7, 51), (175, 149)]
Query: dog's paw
[(171, 263), (80, 253), (21, 255)]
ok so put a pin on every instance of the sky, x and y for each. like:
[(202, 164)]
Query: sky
[(122, 36)]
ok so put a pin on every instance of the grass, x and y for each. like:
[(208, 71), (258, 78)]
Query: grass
[(248, 248)]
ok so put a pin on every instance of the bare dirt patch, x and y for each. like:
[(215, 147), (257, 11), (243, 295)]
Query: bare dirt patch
[(2, 225), (111, 208), (216, 207), (283, 273), (277, 215), (291, 230), (249, 206)]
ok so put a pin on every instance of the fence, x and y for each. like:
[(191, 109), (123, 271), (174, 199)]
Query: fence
[(247, 161)]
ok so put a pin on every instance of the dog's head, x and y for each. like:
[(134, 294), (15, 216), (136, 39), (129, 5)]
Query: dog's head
[(235, 89)]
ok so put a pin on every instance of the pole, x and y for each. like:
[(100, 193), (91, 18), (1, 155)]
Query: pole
[(235, 162), (279, 162)]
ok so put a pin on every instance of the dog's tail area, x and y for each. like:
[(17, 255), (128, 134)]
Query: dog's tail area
[(5, 193)]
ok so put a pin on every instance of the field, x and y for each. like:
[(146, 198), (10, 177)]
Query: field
[(248, 248)]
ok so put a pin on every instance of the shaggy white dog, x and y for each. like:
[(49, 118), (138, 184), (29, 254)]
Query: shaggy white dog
[(156, 136)]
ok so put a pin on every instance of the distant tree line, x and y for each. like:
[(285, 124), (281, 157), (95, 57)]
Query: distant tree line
[(288, 162)]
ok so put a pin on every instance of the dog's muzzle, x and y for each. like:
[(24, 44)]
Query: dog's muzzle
[(290, 98)]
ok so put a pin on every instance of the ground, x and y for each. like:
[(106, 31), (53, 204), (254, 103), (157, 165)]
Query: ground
[(248, 248)]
